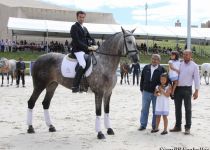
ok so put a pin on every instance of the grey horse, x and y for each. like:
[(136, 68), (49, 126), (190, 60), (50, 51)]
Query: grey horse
[(7, 67), (46, 74)]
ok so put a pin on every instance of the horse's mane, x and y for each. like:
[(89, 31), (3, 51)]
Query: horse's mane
[(109, 39), (108, 43)]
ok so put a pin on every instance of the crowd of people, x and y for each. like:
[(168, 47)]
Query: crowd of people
[(8, 45), (23, 45)]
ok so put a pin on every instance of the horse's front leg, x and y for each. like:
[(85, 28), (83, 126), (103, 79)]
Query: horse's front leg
[(107, 123), (205, 76), (98, 103), (7, 79), (2, 79)]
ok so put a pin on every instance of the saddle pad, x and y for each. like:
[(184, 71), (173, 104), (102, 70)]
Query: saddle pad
[(68, 67)]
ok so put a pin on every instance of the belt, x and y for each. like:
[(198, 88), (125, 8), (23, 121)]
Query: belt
[(184, 86)]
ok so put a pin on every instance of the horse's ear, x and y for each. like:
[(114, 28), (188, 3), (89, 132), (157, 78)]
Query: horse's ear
[(123, 30), (132, 31)]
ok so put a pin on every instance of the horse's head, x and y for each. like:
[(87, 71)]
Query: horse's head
[(2, 62), (130, 48)]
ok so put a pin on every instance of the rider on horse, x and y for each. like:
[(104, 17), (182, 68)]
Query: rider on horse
[(81, 45)]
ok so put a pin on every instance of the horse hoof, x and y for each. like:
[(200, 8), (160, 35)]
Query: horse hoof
[(1, 85), (100, 135), (30, 129), (110, 131), (52, 129)]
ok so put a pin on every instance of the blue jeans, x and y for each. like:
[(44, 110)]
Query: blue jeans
[(147, 97)]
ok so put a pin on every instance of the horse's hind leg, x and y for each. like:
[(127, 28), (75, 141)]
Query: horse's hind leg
[(106, 115), (128, 79), (12, 77), (121, 74), (46, 104), (98, 103), (31, 104)]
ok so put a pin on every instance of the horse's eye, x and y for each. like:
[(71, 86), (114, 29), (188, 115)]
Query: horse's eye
[(130, 42)]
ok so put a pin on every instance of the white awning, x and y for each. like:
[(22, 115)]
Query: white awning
[(22, 26)]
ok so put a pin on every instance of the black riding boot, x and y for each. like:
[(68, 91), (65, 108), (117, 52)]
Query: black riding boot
[(77, 79)]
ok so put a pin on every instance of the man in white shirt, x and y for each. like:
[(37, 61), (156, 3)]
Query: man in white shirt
[(150, 78)]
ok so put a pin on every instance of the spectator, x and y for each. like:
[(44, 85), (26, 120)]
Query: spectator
[(188, 73), (150, 78), (20, 70), (136, 71)]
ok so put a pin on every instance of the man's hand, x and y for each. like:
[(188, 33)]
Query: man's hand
[(195, 95), (93, 48)]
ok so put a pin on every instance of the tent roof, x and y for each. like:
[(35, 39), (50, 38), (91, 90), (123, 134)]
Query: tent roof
[(22, 26)]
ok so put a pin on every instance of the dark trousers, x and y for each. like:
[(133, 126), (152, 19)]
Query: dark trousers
[(135, 75), (22, 76), (183, 93)]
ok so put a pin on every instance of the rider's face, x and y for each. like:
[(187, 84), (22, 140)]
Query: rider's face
[(81, 18)]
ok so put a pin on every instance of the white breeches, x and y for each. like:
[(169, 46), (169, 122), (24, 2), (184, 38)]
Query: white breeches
[(81, 59)]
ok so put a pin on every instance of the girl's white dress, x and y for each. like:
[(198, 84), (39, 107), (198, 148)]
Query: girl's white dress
[(173, 75), (162, 104)]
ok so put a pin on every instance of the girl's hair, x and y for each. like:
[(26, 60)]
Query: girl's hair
[(176, 54), (165, 75)]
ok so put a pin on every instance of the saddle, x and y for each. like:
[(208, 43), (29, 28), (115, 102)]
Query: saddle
[(70, 65)]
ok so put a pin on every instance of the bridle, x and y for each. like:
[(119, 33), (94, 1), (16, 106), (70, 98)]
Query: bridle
[(125, 47)]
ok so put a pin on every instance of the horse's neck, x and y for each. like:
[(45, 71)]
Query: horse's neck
[(108, 63)]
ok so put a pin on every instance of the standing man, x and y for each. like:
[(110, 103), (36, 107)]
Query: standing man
[(188, 73), (136, 71), (81, 44), (20, 70), (150, 78)]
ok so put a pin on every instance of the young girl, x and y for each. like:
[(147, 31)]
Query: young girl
[(174, 65), (162, 92)]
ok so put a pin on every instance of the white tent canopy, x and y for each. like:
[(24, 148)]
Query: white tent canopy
[(22, 26)]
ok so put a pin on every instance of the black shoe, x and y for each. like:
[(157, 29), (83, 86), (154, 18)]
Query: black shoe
[(154, 130), (141, 128), (176, 129), (164, 132), (75, 89), (187, 131)]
